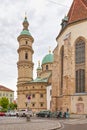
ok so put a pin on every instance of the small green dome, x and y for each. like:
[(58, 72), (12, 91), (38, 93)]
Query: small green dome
[(47, 59), (25, 32)]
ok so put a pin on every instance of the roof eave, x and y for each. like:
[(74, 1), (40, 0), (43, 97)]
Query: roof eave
[(69, 24)]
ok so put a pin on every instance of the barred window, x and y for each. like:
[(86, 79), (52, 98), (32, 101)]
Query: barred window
[(80, 81)]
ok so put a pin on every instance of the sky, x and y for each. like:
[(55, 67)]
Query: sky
[(44, 17)]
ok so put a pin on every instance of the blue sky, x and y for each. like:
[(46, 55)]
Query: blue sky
[(44, 18)]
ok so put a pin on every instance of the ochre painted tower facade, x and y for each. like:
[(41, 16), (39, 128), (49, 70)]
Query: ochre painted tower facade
[(35, 89), (25, 63), (25, 52)]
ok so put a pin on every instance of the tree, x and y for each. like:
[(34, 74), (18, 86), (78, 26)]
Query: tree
[(4, 102), (12, 106), (15, 105)]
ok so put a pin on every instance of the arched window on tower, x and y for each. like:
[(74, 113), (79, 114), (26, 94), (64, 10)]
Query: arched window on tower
[(46, 67), (80, 66), (26, 42), (26, 55)]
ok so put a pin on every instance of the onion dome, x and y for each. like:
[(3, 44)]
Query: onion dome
[(25, 27), (25, 31), (47, 59)]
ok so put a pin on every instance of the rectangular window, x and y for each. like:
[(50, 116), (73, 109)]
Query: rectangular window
[(3, 94), (41, 104), (10, 95), (6, 94), (11, 100), (33, 95), (33, 104), (41, 95), (80, 81)]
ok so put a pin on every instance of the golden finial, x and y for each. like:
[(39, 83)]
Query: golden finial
[(49, 49)]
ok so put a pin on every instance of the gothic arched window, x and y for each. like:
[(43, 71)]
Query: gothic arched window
[(26, 55), (80, 52), (80, 65)]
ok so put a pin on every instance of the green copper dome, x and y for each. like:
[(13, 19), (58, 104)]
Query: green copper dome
[(25, 32), (47, 59)]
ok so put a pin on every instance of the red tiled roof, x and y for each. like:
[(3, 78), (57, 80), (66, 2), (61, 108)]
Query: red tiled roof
[(78, 11), (85, 2), (3, 88)]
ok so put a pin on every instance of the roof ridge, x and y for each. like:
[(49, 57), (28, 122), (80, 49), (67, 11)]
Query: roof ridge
[(72, 10)]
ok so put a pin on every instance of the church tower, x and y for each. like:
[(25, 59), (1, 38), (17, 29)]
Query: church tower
[(25, 52), (24, 64)]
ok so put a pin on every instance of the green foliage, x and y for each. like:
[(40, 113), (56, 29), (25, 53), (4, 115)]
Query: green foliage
[(4, 110), (15, 105), (4, 102), (5, 105), (12, 106)]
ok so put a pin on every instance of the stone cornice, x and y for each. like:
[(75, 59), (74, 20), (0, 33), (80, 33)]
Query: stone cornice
[(25, 48), (25, 36), (28, 63)]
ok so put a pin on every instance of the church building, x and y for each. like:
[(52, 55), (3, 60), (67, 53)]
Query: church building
[(69, 73), (61, 82), (32, 93)]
